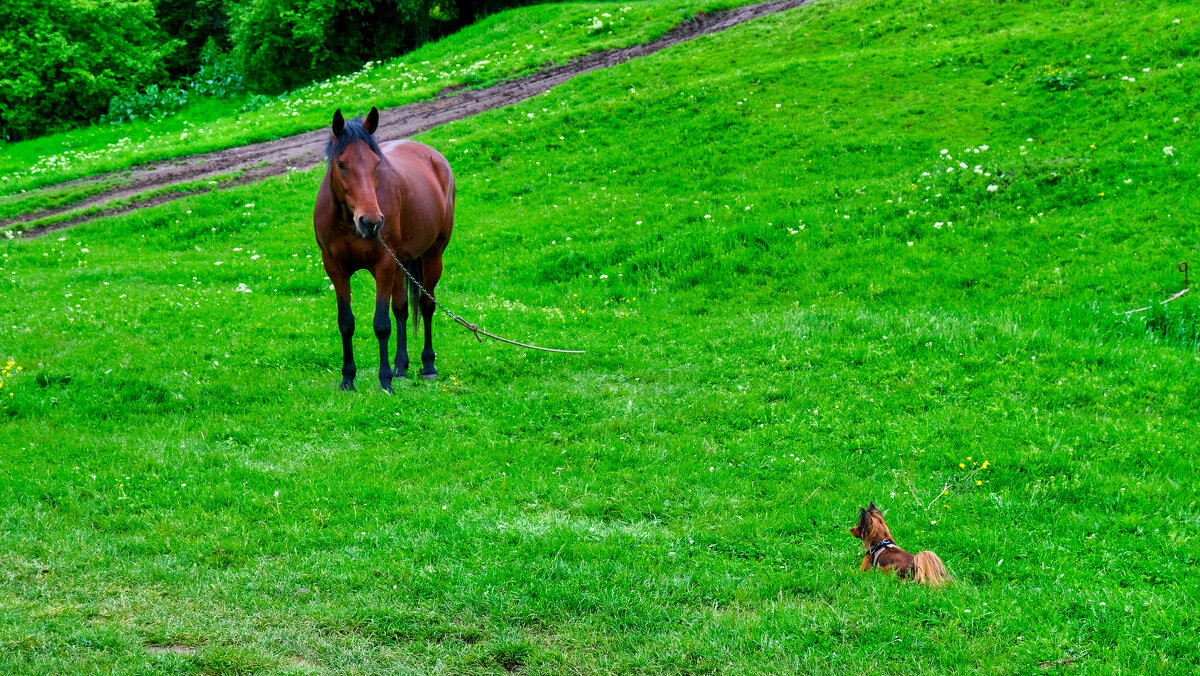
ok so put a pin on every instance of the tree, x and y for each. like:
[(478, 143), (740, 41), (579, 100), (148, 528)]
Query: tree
[(61, 62), (195, 23), (280, 44)]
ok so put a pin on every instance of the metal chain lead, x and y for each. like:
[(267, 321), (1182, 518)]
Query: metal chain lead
[(459, 320)]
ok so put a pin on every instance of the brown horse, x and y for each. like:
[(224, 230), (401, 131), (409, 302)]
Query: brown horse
[(403, 193)]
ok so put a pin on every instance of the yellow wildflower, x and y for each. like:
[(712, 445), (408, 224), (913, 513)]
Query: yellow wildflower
[(978, 482), (985, 464)]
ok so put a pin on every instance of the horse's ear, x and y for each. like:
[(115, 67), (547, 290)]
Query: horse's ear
[(372, 121), (339, 123)]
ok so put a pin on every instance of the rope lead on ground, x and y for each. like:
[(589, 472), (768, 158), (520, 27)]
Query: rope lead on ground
[(1182, 267), (473, 328)]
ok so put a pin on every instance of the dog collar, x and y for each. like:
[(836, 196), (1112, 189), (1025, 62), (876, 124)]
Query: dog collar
[(877, 549)]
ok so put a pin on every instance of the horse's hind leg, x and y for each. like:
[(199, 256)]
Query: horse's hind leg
[(431, 264), (400, 312)]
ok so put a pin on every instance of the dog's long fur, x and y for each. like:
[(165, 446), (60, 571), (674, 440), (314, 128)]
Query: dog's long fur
[(924, 567)]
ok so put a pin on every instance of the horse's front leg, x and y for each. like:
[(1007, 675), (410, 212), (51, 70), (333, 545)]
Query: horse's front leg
[(384, 277), (345, 320)]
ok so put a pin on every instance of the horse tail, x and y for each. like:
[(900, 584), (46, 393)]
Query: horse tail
[(415, 295), (928, 569)]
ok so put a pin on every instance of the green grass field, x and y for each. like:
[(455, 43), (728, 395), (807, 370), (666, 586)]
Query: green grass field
[(794, 298)]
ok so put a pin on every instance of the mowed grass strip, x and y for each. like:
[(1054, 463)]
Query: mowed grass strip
[(14, 205), (773, 340)]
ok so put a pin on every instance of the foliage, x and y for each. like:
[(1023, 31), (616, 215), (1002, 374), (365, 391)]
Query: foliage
[(284, 43), (61, 62), (196, 23), (218, 75), (463, 12), (66, 64), (256, 101), (479, 54), (217, 78), (1058, 79), (151, 102)]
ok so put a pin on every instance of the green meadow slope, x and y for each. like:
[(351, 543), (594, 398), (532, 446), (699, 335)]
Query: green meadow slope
[(500, 47), (872, 250)]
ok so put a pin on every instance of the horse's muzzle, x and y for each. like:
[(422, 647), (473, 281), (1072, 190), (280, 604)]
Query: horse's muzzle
[(368, 228)]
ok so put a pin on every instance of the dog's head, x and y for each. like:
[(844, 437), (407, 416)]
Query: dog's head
[(870, 527)]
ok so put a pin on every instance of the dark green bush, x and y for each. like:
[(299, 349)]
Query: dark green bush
[(151, 102), (217, 78), (66, 64), (280, 44), (61, 63), (195, 23), (255, 102), (218, 75)]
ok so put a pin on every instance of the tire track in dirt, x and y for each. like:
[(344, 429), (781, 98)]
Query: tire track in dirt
[(304, 151)]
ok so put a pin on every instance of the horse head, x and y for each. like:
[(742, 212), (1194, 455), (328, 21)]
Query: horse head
[(354, 160)]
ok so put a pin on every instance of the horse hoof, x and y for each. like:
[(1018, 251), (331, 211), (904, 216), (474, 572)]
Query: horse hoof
[(387, 387), (346, 386), (400, 373), (428, 376)]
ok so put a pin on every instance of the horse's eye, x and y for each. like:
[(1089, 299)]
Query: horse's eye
[(340, 165)]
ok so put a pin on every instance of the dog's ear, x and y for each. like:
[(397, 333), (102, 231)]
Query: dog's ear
[(872, 508)]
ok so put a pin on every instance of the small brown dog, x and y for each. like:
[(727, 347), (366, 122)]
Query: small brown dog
[(924, 567)]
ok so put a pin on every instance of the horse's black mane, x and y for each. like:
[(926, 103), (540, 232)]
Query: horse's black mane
[(352, 132)]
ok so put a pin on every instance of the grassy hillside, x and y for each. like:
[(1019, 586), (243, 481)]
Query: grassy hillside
[(795, 299), (500, 47)]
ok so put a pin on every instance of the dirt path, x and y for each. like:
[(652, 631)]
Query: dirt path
[(303, 151)]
